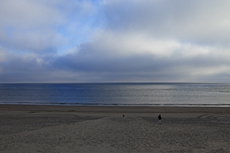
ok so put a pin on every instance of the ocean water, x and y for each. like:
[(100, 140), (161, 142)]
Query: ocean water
[(117, 94)]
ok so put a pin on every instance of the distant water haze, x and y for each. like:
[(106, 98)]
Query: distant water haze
[(117, 94)]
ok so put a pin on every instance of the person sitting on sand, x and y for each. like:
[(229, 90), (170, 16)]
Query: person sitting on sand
[(159, 119)]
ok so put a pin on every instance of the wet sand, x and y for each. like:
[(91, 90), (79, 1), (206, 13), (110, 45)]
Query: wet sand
[(68, 129)]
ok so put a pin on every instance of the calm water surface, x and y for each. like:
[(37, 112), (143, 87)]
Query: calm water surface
[(124, 94)]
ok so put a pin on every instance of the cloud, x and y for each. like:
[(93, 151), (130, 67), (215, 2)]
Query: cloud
[(28, 14), (196, 21), (27, 25), (39, 25), (115, 41)]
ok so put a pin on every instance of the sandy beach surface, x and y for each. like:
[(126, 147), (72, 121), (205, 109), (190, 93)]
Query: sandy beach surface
[(72, 129)]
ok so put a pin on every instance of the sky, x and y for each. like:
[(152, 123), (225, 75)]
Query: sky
[(73, 41)]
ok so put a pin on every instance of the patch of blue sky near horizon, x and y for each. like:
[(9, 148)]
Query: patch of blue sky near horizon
[(81, 28), (78, 33)]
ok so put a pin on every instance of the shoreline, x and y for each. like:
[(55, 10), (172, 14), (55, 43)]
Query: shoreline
[(114, 109)]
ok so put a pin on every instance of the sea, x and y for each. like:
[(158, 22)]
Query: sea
[(118, 94)]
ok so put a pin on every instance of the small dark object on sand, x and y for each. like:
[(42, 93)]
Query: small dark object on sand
[(159, 119), (123, 115)]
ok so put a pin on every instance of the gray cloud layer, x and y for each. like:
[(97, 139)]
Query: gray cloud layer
[(157, 40)]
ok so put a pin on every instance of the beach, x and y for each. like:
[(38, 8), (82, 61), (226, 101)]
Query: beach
[(102, 129)]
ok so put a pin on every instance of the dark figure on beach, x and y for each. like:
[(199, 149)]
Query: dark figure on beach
[(159, 119)]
